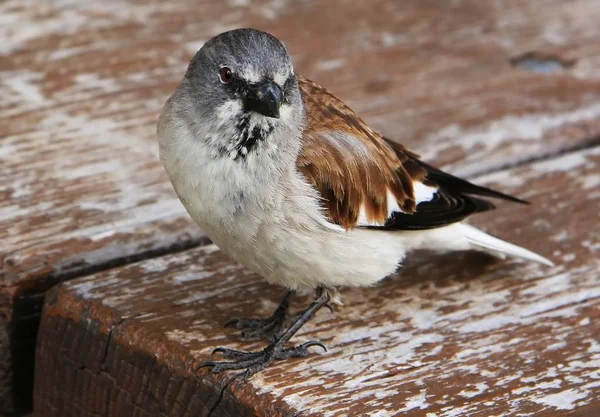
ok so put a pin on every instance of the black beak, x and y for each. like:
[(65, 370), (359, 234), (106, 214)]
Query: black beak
[(264, 98)]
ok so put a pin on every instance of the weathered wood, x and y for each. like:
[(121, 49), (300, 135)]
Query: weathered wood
[(451, 335), (81, 85), (81, 178)]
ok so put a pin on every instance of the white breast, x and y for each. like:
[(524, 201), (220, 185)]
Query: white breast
[(266, 216)]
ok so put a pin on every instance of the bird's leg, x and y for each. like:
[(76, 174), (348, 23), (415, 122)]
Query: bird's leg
[(254, 362), (270, 328)]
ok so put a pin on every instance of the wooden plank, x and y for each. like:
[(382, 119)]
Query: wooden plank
[(82, 83), (452, 335), (81, 178)]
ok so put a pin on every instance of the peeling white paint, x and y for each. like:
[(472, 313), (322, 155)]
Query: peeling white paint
[(418, 401), (478, 389), (154, 265), (481, 326), (511, 129), (191, 276), (564, 400), (331, 65)]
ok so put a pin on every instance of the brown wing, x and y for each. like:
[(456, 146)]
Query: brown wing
[(367, 180)]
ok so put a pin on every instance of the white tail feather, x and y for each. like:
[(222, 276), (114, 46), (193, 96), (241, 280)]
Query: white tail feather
[(490, 243)]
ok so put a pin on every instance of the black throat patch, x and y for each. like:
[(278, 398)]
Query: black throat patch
[(249, 137)]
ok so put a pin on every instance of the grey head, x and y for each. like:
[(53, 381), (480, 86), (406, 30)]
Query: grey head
[(244, 94)]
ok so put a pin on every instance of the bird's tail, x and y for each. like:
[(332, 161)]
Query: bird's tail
[(488, 243)]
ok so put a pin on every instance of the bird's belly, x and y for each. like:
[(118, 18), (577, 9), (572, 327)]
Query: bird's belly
[(334, 258), (286, 246), (301, 258)]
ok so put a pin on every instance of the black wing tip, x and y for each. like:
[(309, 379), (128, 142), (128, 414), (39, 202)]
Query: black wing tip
[(449, 181), (441, 211), (518, 200), (488, 192), (456, 184)]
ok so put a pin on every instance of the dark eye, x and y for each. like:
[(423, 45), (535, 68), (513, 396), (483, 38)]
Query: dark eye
[(226, 75)]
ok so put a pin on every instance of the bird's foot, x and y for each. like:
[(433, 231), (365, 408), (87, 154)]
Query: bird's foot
[(269, 328), (254, 329), (254, 362)]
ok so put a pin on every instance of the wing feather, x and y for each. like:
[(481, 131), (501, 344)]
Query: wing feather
[(366, 180)]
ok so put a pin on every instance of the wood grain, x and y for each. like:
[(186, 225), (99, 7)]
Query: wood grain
[(453, 335), (82, 83)]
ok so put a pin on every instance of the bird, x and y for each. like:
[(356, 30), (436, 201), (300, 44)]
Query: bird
[(290, 182)]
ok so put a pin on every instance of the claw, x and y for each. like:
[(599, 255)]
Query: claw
[(300, 351), (314, 343), (232, 323), (248, 374), (219, 350), (207, 365)]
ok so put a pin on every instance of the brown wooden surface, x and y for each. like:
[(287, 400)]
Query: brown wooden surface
[(84, 84), (81, 188), (451, 335)]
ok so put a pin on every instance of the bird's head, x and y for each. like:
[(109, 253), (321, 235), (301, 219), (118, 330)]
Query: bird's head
[(243, 92)]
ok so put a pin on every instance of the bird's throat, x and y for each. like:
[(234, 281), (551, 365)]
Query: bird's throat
[(249, 135)]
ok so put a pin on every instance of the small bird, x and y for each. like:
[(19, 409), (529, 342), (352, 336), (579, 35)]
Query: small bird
[(290, 182)]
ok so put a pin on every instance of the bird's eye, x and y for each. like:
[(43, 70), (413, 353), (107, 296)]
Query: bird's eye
[(226, 75)]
